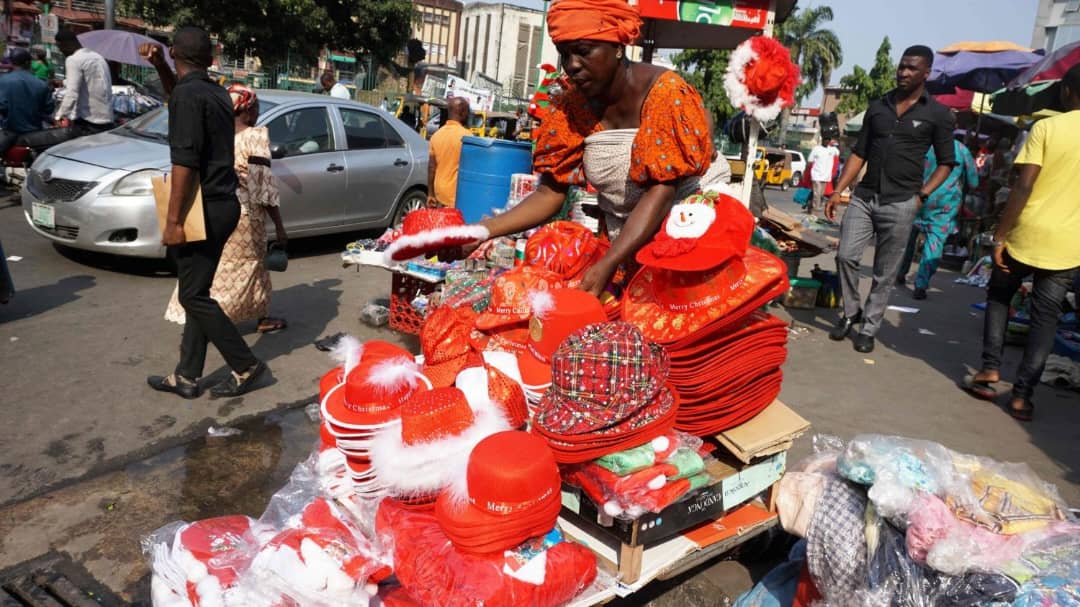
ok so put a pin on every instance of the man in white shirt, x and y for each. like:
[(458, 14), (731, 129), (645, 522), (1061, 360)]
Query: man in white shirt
[(333, 87), (87, 105), (822, 158)]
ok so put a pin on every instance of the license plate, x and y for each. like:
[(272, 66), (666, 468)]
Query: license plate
[(43, 215)]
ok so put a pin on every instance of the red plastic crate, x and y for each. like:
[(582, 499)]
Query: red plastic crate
[(404, 289)]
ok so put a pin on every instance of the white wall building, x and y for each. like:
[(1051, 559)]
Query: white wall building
[(1057, 23), (502, 43)]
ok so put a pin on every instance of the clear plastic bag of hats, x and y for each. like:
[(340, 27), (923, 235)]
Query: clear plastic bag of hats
[(645, 478)]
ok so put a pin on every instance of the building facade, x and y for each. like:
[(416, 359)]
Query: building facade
[(438, 26), (1057, 23), (501, 45)]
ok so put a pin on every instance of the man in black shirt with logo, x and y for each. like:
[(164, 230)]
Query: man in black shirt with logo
[(201, 128), (897, 131)]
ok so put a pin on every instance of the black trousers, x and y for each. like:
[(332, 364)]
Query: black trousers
[(40, 141), (206, 323)]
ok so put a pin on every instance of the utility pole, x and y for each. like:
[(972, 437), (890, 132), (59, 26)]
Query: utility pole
[(110, 14)]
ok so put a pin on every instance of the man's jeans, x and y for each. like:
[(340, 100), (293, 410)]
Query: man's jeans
[(1047, 294)]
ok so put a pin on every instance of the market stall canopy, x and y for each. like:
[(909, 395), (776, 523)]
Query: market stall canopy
[(120, 45), (978, 71), (992, 46), (1051, 67), (705, 24)]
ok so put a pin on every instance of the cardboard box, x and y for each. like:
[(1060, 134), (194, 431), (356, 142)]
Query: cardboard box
[(736, 485), (635, 566), (771, 431)]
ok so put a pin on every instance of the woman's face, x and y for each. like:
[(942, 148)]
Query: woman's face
[(589, 64)]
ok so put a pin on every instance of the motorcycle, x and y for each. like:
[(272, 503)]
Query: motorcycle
[(17, 160)]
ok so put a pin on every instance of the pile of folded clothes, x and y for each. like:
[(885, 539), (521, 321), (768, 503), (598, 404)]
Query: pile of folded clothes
[(697, 296), (648, 477)]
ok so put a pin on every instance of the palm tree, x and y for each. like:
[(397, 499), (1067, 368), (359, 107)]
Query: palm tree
[(814, 49)]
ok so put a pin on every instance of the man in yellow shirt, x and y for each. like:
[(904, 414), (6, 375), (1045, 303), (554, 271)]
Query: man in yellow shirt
[(445, 156), (1039, 233)]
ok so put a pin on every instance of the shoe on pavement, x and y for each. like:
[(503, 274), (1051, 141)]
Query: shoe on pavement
[(863, 343), (844, 327), (174, 384), (237, 385), (919, 293)]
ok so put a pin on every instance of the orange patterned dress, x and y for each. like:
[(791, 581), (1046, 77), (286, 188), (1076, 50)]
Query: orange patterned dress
[(672, 145), (242, 284)]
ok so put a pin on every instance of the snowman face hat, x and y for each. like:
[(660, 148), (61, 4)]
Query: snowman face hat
[(701, 232)]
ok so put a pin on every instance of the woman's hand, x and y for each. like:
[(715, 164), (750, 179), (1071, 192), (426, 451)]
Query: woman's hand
[(282, 237), (999, 258), (597, 278)]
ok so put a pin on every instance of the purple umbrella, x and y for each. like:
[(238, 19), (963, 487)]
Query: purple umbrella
[(981, 72)]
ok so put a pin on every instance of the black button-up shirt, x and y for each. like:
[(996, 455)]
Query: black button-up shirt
[(201, 134), (895, 146)]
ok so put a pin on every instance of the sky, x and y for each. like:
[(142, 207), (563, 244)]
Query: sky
[(861, 24)]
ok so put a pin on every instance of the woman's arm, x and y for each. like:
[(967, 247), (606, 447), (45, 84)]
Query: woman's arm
[(274, 212), (638, 230), (537, 208)]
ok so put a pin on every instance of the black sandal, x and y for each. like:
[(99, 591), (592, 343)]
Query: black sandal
[(271, 325), (979, 389), (237, 385), (1025, 413), (174, 384)]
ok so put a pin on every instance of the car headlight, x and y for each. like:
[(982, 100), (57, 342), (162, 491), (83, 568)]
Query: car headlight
[(135, 184)]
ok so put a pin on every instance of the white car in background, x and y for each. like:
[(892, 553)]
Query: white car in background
[(798, 167)]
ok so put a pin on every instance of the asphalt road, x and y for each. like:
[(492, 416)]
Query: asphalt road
[(77, 419)]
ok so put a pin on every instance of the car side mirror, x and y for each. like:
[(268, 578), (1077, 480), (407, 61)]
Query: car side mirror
[(277, 151)]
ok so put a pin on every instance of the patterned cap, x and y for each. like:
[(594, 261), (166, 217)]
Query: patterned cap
[(510, 296), (601, 375)]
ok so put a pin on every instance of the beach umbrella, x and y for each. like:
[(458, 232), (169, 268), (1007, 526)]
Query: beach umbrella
[(978, 71), (1038, 87), (120, 45), (1051, 67)]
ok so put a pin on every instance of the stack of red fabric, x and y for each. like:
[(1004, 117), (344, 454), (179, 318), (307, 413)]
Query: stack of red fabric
[(697, 295), (608, 392)]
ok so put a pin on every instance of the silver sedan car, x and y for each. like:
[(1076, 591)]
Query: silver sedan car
[(340, 166)]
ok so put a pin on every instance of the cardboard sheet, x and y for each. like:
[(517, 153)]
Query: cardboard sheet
[(771, 431)]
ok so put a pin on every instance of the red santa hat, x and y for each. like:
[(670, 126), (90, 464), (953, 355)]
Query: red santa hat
[(702, 232), (429, 230), (761, 78)]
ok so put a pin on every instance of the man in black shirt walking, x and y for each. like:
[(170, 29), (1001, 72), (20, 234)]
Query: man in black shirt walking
[(201, 128), (897, 131)]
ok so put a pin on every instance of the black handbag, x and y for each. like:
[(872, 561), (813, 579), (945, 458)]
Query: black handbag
[(277, 259)]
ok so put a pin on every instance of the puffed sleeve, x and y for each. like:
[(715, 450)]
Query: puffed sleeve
[(673, 140), (560, 143)]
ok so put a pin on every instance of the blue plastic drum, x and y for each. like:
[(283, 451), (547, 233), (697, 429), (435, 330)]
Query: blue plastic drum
[(484, 174)]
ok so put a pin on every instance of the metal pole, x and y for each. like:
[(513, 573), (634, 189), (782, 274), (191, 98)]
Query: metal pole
[(110, 14)]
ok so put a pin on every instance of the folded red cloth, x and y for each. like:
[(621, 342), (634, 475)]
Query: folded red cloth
[(433, 572), (636, 482)]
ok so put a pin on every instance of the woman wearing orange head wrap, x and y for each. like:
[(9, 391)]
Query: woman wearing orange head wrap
[(637, 132)]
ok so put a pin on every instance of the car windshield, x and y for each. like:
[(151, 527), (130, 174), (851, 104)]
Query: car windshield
[(155, 124)]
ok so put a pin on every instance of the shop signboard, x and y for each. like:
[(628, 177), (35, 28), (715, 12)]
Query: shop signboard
[(744, 14), (479, 99)]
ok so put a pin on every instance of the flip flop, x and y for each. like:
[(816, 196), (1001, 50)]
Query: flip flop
[(979, 389), (1025, 413), (272, 325)]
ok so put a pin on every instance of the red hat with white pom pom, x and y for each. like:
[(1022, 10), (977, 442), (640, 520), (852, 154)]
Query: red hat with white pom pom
[(761, 78)]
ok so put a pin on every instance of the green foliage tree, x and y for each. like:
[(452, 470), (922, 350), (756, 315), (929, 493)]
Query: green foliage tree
[(814, 49), (862, 87), (705, 69), (271, 29)]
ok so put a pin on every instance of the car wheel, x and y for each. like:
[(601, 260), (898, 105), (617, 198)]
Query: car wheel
[(796, 179), (413, 200), (784, 186)]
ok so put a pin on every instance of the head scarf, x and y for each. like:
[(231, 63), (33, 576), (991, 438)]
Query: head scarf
[(606, 20), (242, 97)]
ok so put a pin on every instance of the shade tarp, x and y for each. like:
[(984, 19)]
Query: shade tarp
[(1029, 99), (1051, 67), (992, 46)]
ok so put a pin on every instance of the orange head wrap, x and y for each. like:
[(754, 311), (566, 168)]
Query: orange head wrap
[(606, 20)]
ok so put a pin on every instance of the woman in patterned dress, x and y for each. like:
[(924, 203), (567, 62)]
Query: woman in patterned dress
[(242, 283), (638, 133)]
